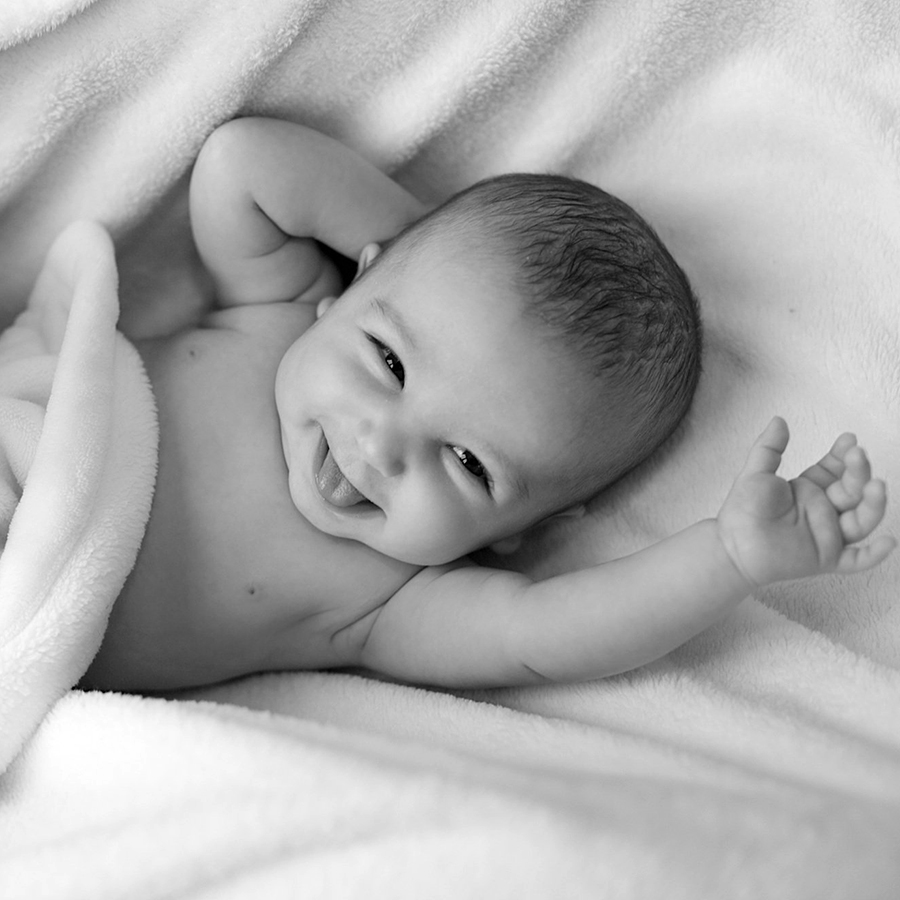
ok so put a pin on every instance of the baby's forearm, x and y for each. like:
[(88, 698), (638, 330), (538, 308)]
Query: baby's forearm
[(468, 626), (627, 612)]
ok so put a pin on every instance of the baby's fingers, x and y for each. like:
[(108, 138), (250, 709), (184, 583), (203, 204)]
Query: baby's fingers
[(847, 491), (858, 559), (861, 520), (831, 466)]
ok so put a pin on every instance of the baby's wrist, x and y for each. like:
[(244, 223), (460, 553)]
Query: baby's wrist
[(729, 558)]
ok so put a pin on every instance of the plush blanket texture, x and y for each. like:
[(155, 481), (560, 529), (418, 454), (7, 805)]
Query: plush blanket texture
[(761, 759), (78, 432)]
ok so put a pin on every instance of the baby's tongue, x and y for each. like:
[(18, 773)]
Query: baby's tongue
[(333, 486)]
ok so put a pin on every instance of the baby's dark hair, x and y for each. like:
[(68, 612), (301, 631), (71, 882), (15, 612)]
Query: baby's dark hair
[(599, 277)]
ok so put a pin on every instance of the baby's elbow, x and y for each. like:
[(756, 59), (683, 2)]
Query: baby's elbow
[(223, 150)]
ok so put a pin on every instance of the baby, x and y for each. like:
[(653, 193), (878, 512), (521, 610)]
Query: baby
[(326, 466)]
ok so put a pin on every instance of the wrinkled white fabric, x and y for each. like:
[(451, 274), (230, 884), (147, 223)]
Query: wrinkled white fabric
[(761, 759)]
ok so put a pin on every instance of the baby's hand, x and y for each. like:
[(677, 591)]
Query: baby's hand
[(775, 530)]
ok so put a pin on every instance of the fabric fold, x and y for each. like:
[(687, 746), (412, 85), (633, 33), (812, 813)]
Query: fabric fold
[(79, 431)]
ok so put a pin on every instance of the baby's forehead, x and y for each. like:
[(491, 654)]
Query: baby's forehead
[(580, 473)]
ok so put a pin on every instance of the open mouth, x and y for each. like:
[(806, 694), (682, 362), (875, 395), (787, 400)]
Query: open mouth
[(334, 486)]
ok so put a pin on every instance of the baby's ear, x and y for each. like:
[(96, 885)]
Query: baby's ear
[(368, 255)]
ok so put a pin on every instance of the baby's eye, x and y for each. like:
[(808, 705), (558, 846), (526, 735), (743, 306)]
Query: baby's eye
[(472, 464), (391, 360)]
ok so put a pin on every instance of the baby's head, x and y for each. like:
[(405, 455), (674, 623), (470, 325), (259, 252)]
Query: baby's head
[(504, 359), (601, 287)]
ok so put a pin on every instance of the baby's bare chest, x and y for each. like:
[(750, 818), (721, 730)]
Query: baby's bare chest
[(231, 579), (201, 608)]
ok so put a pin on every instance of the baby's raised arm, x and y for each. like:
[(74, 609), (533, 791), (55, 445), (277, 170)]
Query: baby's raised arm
[(264, 191), (470, 626)]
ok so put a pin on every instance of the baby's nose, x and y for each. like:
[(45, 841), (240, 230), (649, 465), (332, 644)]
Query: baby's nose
[(382, 446)]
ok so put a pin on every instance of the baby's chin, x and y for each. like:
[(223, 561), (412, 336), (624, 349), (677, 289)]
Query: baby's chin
[(419, 553)]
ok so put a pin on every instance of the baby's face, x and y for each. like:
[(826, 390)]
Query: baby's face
[(424, 416)]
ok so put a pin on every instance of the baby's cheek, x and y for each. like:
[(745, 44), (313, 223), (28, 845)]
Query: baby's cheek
[(438, 530)]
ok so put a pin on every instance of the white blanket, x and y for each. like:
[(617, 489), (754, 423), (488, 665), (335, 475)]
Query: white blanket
[(78, 434), (761, 759)]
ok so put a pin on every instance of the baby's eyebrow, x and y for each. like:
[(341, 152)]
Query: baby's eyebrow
[(394, 318)]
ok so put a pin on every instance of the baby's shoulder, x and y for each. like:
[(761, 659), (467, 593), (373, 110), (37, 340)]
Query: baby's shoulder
[(275, 321)]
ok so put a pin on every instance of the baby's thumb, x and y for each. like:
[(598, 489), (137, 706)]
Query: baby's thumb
[(765, 454)]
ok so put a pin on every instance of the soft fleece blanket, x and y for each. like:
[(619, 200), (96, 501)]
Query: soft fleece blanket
[(761, 759)]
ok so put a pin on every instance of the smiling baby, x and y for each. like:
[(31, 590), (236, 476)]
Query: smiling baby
[(330, 455)]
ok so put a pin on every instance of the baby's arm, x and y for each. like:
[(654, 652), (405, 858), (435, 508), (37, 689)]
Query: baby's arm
[(264, 191), (470, 626)]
